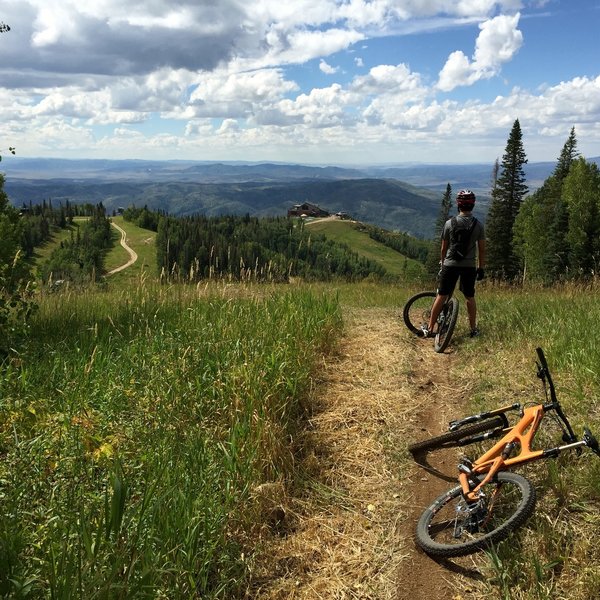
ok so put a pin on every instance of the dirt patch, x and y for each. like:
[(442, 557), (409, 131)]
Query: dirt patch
[(349, 530)]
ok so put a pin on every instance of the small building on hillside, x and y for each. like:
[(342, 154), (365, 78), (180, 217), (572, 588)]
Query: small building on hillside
[(307, 210), (343, 215)]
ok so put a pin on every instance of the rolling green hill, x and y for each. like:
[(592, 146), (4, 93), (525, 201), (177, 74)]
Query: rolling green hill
[(386, 203), (346, 232)]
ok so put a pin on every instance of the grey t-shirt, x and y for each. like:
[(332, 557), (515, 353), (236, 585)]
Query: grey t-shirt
[(478, 233)]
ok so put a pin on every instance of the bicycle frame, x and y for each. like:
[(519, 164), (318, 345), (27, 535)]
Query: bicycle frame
[(498, 458), (478, 513), (520, 436)]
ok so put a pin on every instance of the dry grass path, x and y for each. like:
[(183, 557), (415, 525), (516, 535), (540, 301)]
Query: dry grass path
[(350, 529)]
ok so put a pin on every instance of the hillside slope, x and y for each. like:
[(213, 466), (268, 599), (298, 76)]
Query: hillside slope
[(359, 240), (386, 203)]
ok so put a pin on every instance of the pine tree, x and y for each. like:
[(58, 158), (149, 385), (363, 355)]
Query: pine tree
[(540, 229), (581, 191), (433, 258), (557, 249), (507, 196), (567, 155)]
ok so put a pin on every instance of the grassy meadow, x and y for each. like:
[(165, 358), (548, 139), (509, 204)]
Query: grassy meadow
[(135, 428), (558, 555), (345, 232), (141, 422)]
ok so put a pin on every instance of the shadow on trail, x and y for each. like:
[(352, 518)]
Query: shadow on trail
[(469, 572), (421, 458)]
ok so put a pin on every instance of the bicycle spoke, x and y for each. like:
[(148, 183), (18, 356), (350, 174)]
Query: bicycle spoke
[(451, 526)]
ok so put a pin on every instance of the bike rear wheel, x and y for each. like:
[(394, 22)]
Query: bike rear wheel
[(455, 438), (417, 311), (447, 322), (451, 527)]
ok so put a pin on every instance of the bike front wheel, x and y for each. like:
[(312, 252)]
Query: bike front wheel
[(446, 325), (452, 527), (417, 311)]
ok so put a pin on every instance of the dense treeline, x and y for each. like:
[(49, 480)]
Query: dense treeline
[(550, 235), (81, 258), (250, 248), (557, 231), (401, 242), (143, 217), (39, 221)]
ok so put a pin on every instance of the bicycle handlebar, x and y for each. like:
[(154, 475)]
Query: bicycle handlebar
[(544, 375)]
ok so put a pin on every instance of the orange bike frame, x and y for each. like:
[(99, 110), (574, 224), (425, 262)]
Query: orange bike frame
[(521, 434)]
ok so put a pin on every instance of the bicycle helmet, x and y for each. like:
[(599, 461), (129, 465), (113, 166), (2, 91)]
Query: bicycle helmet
[(465, 199)]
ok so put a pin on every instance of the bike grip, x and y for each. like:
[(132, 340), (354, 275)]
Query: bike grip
[(542, 358)]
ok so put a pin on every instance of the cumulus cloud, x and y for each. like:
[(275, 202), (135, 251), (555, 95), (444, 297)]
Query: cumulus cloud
[(389, 79), (498, 41), (71, 38), (221, 94), (115, 38), (327, 68), (230, 74), (322, 107)]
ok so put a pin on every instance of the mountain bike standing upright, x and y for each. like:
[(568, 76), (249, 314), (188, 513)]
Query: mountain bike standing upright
[(416, 315)]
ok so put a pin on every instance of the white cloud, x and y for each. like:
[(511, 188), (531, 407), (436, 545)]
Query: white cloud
[(323, 107), (497, 43), (228, 126), (327, 68), (222, 94), (387, 78), (228, 73)]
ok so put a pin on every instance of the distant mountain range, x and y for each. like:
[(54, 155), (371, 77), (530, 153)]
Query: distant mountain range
[(403, 197)]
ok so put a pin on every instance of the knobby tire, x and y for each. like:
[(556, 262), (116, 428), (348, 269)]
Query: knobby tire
[(415, 321), (446, 328), (514, 504), (453, 438)]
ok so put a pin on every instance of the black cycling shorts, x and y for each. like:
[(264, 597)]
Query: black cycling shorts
[(450, 275)]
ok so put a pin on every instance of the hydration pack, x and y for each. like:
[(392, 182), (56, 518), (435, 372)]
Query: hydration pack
[(460, 236)]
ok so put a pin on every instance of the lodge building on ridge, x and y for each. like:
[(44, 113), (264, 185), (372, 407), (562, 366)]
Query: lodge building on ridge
[(307, 210)]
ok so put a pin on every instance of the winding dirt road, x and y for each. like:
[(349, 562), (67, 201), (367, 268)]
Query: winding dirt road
[(132, 253)]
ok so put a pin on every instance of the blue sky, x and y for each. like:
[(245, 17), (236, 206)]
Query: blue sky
[(306, 81)]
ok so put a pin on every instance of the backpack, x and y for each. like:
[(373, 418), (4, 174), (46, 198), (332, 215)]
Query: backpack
[(459, 239)]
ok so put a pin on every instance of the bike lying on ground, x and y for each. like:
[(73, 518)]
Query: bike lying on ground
[(490, 502), (416, 315)]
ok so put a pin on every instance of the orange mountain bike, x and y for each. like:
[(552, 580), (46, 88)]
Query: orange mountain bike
[(490, 502)]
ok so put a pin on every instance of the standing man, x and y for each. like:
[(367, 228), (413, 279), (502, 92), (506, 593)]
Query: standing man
[(462, 257)]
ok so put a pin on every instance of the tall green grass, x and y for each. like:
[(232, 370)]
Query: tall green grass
[(133, 430), (557, 555)]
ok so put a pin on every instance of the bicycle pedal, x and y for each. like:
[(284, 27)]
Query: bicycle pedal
[(590, 441)]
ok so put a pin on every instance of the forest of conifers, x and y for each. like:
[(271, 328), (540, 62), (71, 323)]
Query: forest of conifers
[(550, 235), (547, 236)]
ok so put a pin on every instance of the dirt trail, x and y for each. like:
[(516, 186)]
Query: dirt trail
[(132, 253), (349, 534)]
